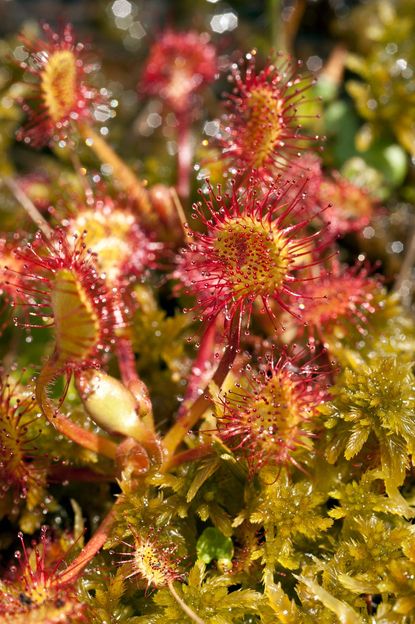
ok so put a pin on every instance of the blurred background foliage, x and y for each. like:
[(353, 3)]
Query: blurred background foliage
[(368, 115)]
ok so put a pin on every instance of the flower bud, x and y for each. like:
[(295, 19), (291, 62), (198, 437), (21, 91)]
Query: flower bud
[(111, 405)]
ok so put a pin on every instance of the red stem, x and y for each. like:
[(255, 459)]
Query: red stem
[(180, 429), (96, 542), (57, 473), (126, 360), (184, 158), (191, 455), (203, 356), (125, 353)]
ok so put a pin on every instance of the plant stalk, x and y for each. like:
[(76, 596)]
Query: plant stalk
[(121, 172), (191, 455), (189, 612), (180, 429), (29, 207), (126, 361), (199, 365), (184, 158), (89, 551)]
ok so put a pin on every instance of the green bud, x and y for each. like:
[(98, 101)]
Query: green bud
[(110, 404)]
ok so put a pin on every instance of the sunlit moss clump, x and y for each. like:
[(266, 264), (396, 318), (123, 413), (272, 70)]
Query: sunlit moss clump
[(373, 410)]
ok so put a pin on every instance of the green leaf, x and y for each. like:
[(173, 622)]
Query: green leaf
[(356, 441), (202, 475), (343, 611)]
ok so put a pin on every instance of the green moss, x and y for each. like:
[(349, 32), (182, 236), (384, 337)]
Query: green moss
[(373, 410)]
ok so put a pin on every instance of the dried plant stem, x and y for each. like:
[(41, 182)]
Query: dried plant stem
[(333, 70), (189, 612), (121, 172), (29, 207), (82, 174), (89, 551), (87, 439)]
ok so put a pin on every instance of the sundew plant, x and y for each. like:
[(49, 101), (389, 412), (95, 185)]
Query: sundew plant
[(207, 390)]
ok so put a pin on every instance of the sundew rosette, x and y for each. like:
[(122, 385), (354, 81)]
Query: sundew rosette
[(349, 207), (38, 594), (151, 560), (61, 288), (267, 418), (110, 229), (179, 66), (255, 249), (344, 207), (22, 470), (344, 297), (59, 91), (10, 268), (262, 129)]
